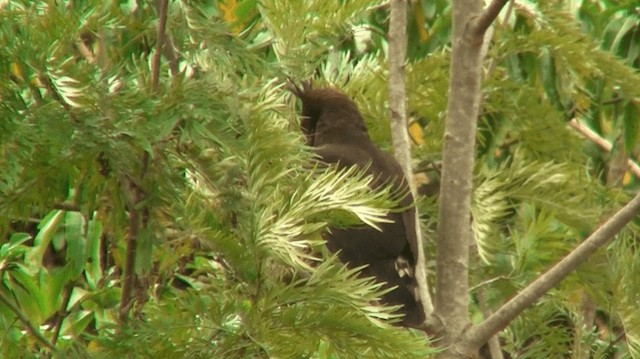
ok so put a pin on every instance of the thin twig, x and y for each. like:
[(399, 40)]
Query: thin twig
[(86, 52), (613, 101), (67, 206), (602, 143), (101, 52), (487, 282), (155, 61), (30, 328), (62, 313), (508, 143), (516, 305)]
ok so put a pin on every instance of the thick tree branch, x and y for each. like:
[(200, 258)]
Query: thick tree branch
[(397, 91), (399, 134), (454, 232), (454, 236), (482, 23), (503, 316)]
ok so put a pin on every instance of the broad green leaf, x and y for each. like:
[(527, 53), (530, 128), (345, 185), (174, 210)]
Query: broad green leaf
[(14, 248), (47, 228), (76, 249), (28, 295), (94, 256)]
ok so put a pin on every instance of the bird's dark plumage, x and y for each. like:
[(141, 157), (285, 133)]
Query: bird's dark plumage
[(333, 125)]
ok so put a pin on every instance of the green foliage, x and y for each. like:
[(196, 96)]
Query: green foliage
[(229, 260), (540, 190), (286, 321), (206, 172)]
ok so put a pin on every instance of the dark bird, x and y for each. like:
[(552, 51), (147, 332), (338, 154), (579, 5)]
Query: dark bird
[(334, 126)]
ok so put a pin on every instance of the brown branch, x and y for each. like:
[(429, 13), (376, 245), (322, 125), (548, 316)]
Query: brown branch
[(602, 143), (86, 52), (482, 23), (494, 343), (397, 85), (62, 313), (494, 61), (613, 101), (508, 143), (516, 305), (30, 328), (400, 135), (155, 61), (451, 313), (134, 196), (170, 54), (138, 218), (67, 206)]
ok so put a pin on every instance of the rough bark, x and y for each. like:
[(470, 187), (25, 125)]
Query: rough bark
[(453, 234), (451, 317), (399, 135)]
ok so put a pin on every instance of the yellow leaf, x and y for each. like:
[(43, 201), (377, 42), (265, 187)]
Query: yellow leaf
[(420, 20), (17, 71), (228, 9), (626, 179), (416, 133), (93, 346)]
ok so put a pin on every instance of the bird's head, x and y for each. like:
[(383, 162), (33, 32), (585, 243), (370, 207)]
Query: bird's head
[(328, 109)]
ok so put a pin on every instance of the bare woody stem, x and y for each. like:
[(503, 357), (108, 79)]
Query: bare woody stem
[(62, 313), (400, 137), (133, 194), (485, 20), (510, 310), (170, 54), (451, 314), (155, 61), (602, 143), (397, 91)]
